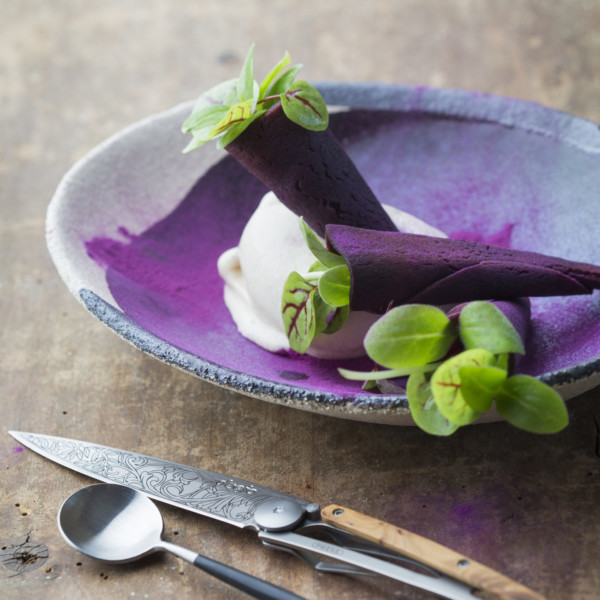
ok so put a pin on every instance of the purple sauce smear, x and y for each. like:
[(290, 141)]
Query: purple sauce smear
[(477, 181)]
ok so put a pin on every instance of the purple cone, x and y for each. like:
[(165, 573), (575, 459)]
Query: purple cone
[(309, 172), (399, 268)]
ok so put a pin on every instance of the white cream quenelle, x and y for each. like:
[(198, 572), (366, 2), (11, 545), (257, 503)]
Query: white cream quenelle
[(271, 247)]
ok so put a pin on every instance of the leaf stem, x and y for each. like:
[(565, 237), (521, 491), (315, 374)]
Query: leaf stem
[(387, 374), (312, 276), (278, 96), (269, 98)]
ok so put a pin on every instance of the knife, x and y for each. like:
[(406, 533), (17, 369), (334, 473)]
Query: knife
[(359, 545)]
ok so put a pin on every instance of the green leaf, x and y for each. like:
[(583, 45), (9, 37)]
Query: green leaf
[(317, 267), (298, 312), (305, 106), (237, 129), (216, 96), (423, 408), (479, 385), (446, 385), (198, 139), (204, 118), (208, 111), (236, 114), (245, 86), (334, 286), (231, 97), (337, 321), (322, 313), (529, 404), (203, 130), (282, 85), (316, 246), (275, 71), (225, 106), (483, 325), (502, 361), (410, 335)]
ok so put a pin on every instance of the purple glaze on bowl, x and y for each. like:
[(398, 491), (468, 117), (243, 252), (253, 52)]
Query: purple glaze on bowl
[(478, 167), (166, 281)]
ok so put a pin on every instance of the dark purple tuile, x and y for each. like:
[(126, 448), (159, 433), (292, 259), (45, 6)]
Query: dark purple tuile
[(408, 268), (309, 172)]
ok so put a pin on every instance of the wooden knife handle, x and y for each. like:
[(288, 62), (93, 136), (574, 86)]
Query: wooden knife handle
[(427, 552)]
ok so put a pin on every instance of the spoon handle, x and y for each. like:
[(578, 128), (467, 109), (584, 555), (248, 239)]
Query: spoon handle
[(238, 579), (243, 581)]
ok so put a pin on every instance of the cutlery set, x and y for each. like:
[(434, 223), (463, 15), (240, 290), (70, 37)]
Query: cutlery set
[(116, 522)]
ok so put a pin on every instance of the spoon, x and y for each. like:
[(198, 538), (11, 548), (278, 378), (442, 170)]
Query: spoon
[(116, 524)]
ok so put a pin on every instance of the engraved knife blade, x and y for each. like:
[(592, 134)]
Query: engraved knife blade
[(221, 497)]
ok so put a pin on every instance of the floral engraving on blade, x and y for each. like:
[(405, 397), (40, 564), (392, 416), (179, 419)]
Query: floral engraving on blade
[(198, 490)]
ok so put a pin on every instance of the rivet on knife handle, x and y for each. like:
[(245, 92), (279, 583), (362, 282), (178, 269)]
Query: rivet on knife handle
[(427, 552)]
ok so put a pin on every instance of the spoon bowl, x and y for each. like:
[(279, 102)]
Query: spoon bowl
[(111, 523), (116, 524)]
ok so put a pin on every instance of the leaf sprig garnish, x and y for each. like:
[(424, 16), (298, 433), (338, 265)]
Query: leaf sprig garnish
[(226, 110), (317, 301), (446, 393)]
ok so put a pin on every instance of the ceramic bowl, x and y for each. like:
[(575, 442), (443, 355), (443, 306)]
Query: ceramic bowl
[(136, 227)]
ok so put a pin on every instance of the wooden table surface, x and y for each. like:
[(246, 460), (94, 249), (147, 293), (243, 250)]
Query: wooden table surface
[(73, 73)]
